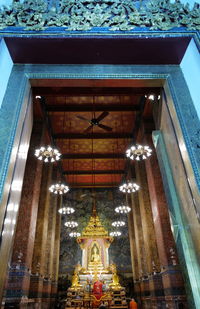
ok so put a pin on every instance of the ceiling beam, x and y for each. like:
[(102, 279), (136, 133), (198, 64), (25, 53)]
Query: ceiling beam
[(93, 91), (92, 185), (93, 156), (90, 107), (91, 135), (95, 172)]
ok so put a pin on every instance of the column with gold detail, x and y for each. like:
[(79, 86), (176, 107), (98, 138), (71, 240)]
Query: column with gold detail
[(173, 284), (49, 250), (141, 286), (39, 259), (133, 250), (19, 275), (153, 265), (56, 252)]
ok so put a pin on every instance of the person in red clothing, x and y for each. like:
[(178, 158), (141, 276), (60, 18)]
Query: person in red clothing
[(97, 289), (133, 304)]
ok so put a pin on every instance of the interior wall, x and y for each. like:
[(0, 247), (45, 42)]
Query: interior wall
[(185, 224), (14, 183), (6, 65), (190, 67)]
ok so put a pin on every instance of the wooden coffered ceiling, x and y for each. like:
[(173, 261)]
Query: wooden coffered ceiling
[(94, 158)]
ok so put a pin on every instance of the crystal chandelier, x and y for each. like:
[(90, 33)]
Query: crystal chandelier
[(118, 223), (71, 224), (59, 188), (47, 154), (129, 187), (115, 233), (74, 234), (123, 209), (139, 152), (66, 210)]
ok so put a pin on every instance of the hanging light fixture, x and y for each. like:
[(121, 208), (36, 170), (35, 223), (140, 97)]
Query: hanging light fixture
[(138, 152), (66, 210), (74, 234), (71, 224), (47, 154), (123, 209), (115, 234), (129, 187), (59, 188), (118, 223)]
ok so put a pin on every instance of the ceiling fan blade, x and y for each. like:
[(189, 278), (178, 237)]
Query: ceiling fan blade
[(88, 129), (102, 116), (83, 118), (104, 127)]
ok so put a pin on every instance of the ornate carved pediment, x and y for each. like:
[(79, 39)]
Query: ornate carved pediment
[(84, 15)]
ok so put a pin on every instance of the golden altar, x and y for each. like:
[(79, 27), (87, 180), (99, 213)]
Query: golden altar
[(95, 281)]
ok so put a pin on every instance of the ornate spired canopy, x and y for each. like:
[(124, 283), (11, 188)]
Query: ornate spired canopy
[(94, 228), (94, 242), (83, 15)]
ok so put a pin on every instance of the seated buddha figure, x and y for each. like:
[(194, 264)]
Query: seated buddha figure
[(115, 278), (75, 279), (95, 257)]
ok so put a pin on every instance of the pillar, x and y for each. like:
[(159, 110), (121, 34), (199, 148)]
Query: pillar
[(49, 250), (21, 261), (173, 284), (38, 262), (56, 253), (153, 265), (134, 259), (142, 286)]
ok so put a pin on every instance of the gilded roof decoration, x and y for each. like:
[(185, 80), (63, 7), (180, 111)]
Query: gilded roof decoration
[(94, 228), (115, 15)]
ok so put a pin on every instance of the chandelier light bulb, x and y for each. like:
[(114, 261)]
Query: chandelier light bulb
[(74, 234), (66, 210), (118, 223), (129, 187), (138, 152), (150, 97), (71, 224), (47, 154), (123, 209), (59, 188), (115, 234)]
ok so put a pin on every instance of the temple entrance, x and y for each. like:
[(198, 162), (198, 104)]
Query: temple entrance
[(153, 254)]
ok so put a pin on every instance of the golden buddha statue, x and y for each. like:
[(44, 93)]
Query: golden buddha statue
[(75, 280), (95, 257), (115, 278)]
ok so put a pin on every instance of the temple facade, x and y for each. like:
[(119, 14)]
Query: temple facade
[(92, 78)]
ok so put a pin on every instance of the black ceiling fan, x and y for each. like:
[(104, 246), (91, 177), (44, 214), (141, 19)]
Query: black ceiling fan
[(96, 122)]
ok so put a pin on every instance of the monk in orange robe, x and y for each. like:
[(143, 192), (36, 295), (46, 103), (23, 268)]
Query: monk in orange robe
[(133, 304)]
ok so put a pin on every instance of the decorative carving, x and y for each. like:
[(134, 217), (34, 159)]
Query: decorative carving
[(115, 15), (94, 228)]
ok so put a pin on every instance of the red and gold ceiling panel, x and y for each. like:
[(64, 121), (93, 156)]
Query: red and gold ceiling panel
[(82, 146), (96, 164), (88, 99), (84, 152), (95, 181), (69, 123)]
